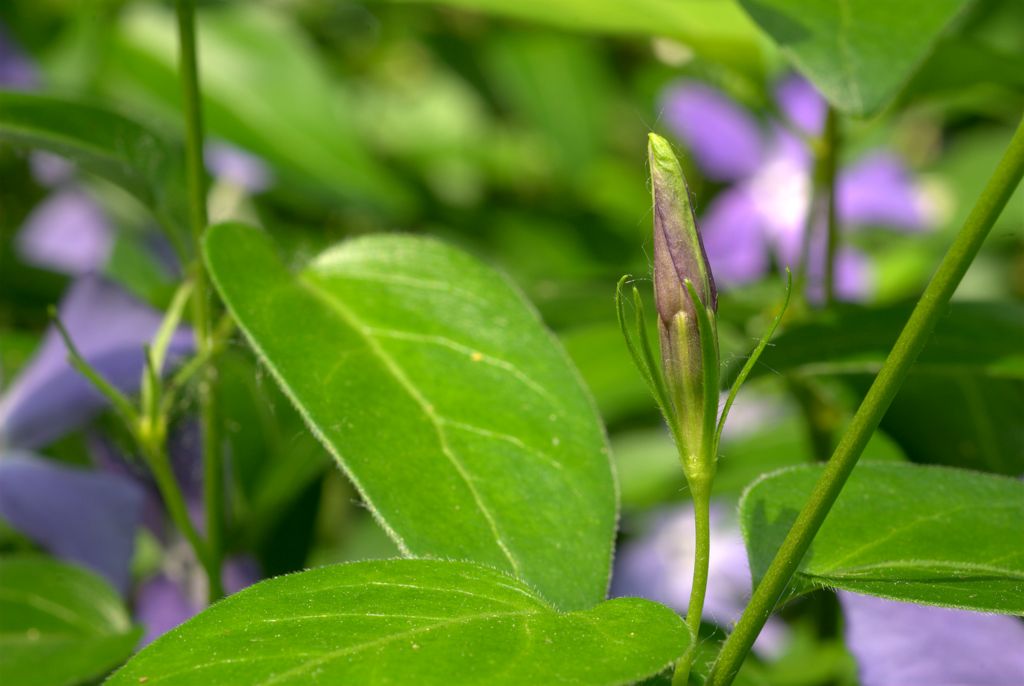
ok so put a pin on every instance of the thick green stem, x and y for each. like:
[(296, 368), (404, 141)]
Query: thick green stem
[(213, 479), (701, 493), (827, 180), (908, 346)]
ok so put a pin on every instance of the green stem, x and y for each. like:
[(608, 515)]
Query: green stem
[(160, 465), (908, 346), (701, 493), (213, 479), (829, 164)]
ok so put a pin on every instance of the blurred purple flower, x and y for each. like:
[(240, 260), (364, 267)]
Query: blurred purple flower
[(237, 167), (110, 328), (162, 603), (902, 644), (67, 232), (659, 566), (78, 515), (763, 215), (16, 71)]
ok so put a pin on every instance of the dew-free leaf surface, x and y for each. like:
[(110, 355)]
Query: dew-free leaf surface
[(443, 397), (408, 622), (715, 28), (100, 141), (59, 624), (265, 88), (859, 53), (975, 338), (916, 533)]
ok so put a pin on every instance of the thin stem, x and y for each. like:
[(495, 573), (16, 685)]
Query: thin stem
[(829, 165), (908, 346), (701, 493), (155, 453), (213, 480)]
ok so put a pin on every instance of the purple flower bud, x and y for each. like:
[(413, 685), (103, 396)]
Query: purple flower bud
[(678, 250), (689, 348)]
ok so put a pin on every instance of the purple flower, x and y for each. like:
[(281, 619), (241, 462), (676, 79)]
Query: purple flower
[(902, 644), (659, 566), (163, 602), (110, 328), (16, 71), (67, 232), (763, 215), (78, 515), (237, 167)]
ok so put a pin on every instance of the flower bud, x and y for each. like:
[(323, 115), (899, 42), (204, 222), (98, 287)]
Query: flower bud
[(678, 250), (685, 295)]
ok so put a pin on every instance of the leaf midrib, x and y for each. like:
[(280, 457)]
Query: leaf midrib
[(365, 332)]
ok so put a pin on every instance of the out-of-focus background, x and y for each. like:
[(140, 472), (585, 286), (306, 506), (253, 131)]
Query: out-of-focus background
[(519, 134)]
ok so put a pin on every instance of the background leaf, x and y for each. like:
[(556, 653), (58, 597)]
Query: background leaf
[(859, 53), (103, 142), (961, 403), (916, 533), (977, 338), (437, 389), (59, 624), (278, 101), (409, 621), (718, 30)]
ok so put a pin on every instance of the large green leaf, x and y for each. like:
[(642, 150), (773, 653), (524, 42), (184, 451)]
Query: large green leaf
[(59, 625), (438, 390), (408, 622), (976, 338), (859, 53), (717, 29), (103, 142), (923, 534)]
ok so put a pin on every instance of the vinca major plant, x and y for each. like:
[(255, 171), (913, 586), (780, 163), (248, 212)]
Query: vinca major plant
[(245, 450)]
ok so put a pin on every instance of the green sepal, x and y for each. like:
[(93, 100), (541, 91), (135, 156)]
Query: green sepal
[(122, 405), (639, 345), (754, 356)]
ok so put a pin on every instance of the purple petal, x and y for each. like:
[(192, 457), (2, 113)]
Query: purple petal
[(854, 276), (67, 232), (238, 167), (902, 644), (734, 238), (723, 137), (160, 605), (801, 104), (16, 71), (659, 566), (240, 572), (110, 328), (85, 517), (879, 191), (781, 192), (49, 169)]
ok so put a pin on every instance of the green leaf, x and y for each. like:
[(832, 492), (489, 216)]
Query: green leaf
[(959, 420), (977, 338), (439, 392), (59, 625), (714, 28), (103, 142), (923, 534), (265, 88), (859, 53), (408, 622)]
